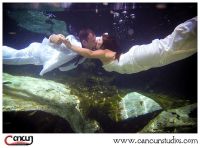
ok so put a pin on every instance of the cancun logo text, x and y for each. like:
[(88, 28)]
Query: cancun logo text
[(18, 140)]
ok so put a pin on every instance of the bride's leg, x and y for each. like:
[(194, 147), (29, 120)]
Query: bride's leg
[(182, 43), (184, 36)]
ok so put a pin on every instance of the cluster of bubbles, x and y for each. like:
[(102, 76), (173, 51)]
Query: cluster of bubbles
[(123, 20)]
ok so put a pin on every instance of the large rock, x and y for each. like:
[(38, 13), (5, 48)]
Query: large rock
[(22, 93), (36, 21), (177, 120), (49, 7), (135, 104)]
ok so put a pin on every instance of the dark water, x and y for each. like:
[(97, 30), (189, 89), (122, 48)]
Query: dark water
[(131, 24)]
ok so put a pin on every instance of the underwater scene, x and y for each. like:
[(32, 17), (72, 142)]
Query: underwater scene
[(63, 92)]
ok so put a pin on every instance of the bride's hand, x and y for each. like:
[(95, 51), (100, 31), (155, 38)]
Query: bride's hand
[(56, 39), (60, 35), (67, 43)]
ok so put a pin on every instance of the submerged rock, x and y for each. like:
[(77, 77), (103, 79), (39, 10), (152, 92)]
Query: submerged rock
[(28, 94), (38, 22), (183, 119), (39, 6), (135, 104), (91, 105)]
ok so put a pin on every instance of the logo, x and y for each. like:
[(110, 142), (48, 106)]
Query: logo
[(18, 140)]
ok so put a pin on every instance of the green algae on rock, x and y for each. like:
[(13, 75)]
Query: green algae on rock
[(173, 121), (27, 93)]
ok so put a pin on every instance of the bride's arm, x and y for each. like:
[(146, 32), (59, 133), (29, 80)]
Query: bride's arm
[(98, 54)]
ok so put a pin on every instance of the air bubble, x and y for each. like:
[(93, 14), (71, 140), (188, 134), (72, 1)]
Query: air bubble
[(115, 14), (120, 21), (132, 16), (124, 12)]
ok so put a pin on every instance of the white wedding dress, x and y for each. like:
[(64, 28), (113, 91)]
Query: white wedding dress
[(180, 44)]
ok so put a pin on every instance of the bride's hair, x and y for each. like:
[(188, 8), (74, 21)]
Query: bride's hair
[(110, 43)]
